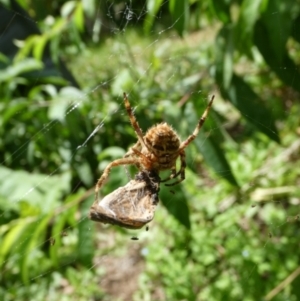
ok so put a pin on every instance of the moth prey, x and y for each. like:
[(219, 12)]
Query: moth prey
[(130, 206)]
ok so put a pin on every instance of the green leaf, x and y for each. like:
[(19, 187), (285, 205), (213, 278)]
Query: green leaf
[(65, 217), (15, 106), (224, 56), (176, 203), (208, 146), (85, 173), (79, 17), (35, 233), (18, 68), (12, 237), (179, 10), (249, 14), (57, 233), (33, 188), (280, 63), (61, 102), (214, 157), (86, 233), (278, 18), (112, 152), (222, 10), (251, 106), (152, 9), (39, 46)]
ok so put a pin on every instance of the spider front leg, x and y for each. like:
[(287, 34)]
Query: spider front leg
[(123, 161), (201, 121), (133, 120)]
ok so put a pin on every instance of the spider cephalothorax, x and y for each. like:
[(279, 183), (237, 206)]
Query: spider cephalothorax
[(157, 150)]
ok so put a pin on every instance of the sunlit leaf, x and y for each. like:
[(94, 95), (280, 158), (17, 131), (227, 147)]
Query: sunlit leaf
[(10, 239), (18, 68), (33, 237), (33, 188), (79, 16), (38, 48)]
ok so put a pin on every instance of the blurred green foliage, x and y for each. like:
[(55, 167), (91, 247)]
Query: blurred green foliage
[(230, 230)]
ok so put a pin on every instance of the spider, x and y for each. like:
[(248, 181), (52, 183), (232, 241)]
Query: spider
[(157, 150)]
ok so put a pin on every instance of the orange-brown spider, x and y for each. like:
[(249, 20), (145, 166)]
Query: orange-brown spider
[(158, 150)]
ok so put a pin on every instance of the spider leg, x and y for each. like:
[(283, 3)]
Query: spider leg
[(181, 171), (185, 143), (133, 120), (123, 161)]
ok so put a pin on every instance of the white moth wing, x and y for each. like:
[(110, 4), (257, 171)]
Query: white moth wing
[(130, 206)]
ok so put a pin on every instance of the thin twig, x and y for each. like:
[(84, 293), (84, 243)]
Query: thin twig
[(282, 285)]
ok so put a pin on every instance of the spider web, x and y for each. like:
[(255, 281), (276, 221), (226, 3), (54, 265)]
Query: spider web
[(235, 236)]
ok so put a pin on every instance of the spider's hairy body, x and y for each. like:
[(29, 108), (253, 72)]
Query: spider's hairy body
[(157, 150), (161, 147)]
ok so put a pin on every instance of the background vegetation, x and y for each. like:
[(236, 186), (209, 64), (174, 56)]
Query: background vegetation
[(230, 231)]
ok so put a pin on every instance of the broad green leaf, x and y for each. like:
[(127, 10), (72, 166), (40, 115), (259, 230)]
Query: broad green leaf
[(279, 22), (33, 188), (214, 156), (34, 235), (207, 144), (61, 102), (179, 10), (18, 68), (67, 8), (86, 232), (57, 234), (39, 46), (224, 56), (113, 152), (10, 239), (249, 14), (152, 9), (175, 201), (222, 9), (15, 106), (25, 48), (85, 173), (251, 106), (281, 64), (79, 17)]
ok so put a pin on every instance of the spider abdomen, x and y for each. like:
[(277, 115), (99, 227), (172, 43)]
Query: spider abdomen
[(162, 145), (162, 139)]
